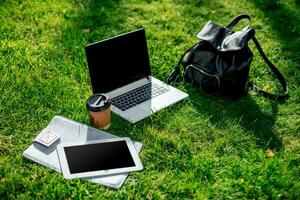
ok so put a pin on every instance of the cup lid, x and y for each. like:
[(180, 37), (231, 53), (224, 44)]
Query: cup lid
[(98, 102)]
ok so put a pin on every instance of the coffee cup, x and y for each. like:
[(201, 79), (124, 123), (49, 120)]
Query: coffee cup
[(98, 106)]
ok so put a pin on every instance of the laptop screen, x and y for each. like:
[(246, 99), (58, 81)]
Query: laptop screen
[(118, 61)]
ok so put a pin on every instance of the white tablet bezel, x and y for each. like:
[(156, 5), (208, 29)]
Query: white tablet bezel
[(65, 167)]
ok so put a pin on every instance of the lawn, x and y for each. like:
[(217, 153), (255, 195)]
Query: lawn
[(207, 147)]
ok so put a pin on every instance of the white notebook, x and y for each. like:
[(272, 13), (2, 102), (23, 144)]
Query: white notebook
[(70, 131)]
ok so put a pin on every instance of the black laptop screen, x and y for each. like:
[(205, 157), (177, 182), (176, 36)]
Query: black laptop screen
[(117, 61)]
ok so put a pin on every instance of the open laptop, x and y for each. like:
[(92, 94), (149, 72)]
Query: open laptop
[(120, 67)]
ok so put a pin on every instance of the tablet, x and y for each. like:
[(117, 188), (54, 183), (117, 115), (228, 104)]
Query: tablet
[(98, 158)]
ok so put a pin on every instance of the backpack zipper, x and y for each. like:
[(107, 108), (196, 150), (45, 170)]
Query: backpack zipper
[(203, 72)]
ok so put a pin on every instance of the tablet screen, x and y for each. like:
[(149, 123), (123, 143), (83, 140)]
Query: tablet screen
[(98, 156)]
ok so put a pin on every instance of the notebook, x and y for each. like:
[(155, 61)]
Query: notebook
[(70, 131)]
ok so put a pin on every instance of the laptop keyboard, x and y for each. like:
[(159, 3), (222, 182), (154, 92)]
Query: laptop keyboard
[(138, 95)]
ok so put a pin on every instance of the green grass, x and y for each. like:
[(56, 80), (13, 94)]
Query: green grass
[(206, 147)]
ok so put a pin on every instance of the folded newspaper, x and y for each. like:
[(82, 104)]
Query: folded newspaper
[(69, 131)]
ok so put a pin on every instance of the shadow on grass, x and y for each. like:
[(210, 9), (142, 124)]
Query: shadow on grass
[(91, 21), (244, 112), (100, 19), (94, 21), (286, 24), (157, 121)]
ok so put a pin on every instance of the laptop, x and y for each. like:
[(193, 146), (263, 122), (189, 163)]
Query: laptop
[(120, 68)]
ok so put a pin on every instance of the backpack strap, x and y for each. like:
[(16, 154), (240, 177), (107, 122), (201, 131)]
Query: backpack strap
[(237, 19), (173, 76), (279, 76)]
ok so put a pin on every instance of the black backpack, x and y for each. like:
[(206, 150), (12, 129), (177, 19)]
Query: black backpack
[(220, 63)]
